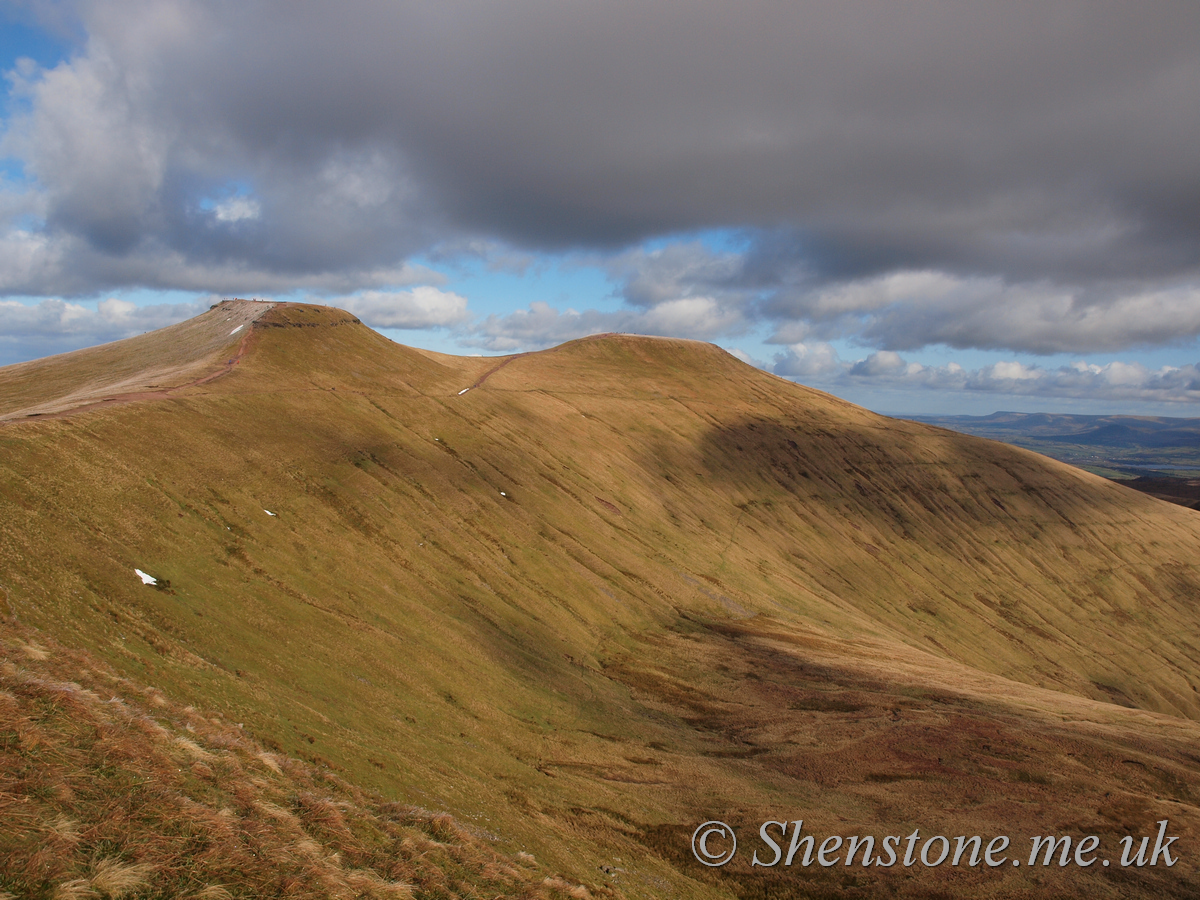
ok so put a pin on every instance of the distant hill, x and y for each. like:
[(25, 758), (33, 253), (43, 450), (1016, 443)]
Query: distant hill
[(1115, 432), (1159, 456), (580, 601)]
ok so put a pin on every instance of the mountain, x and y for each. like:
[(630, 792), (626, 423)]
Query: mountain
[(585, 599), (1133, 443), (1159, 456), (1127, 431)]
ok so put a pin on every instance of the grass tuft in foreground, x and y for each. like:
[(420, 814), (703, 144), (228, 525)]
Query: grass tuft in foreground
[(110, 790)]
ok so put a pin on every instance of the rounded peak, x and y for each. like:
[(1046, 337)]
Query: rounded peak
[(648, 353), (624, 338)]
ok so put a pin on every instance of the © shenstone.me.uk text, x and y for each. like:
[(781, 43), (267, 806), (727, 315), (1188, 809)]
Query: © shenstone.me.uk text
[(783, 843)]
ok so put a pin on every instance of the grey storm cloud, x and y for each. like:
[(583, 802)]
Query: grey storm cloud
[(1045, 149)]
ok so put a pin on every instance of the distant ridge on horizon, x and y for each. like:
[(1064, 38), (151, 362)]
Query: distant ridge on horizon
[(1130, 448)]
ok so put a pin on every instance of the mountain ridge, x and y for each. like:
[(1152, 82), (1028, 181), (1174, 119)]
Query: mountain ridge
[(616, 587)]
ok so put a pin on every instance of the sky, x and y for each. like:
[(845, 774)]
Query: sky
[(923, 206)]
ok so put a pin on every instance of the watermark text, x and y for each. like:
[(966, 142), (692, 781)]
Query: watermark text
[(784, 843)]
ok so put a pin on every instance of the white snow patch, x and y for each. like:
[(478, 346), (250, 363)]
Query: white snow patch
[(236, 330), (268, 512), (146, 579), (463, 391)]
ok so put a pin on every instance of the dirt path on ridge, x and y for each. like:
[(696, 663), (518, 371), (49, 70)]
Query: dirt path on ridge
[(133, 396)]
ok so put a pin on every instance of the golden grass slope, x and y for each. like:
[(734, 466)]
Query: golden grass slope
[(109, 789), (138, 367), (590, 597)]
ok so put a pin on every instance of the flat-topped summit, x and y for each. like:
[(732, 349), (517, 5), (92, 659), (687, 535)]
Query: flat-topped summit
[(154, 364), (302, 315), (157, 361)]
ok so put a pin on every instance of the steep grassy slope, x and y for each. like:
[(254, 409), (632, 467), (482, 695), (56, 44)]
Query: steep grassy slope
[(588, 598), (139, 367), (108, 789)]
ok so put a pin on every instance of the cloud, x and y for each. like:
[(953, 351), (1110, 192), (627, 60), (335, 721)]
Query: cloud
[(1036, 318), (681, 269), (808, 362), (541, 325), (34, 263), (906, 309), (680, 290), (945, 136), (1114, 381), (909, 310), (884, 363), (236, 209), (56, 326), (122, 155), (420, 307), (696, 317)]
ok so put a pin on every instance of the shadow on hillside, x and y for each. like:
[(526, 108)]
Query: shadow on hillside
[(902, 469), (850, 753)]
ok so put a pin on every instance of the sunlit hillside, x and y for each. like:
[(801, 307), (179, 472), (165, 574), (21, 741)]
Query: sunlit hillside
[(112, 790), (585, 599)]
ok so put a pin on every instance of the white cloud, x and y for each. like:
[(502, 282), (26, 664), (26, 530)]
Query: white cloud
[(1025, 166), (56, 326), (678, 271), (92, 140), (739, 353), (237, 209), (681, 290), (541, 325), (117, 311), (537, 327), (905, 310), (688, 317), (421, 307), (961, 218), (884, 363), (925, 288), (1015, 371), (1113, 381), (817, 361), (359, 180)]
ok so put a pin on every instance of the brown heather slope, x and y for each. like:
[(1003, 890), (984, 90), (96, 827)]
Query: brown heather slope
[(109, 789), (621, 587)]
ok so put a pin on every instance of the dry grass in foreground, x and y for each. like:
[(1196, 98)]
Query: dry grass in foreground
[(108, 789)]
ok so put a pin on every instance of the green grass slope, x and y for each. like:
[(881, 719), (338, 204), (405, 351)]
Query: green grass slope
[(588, 598), (108, 789)]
